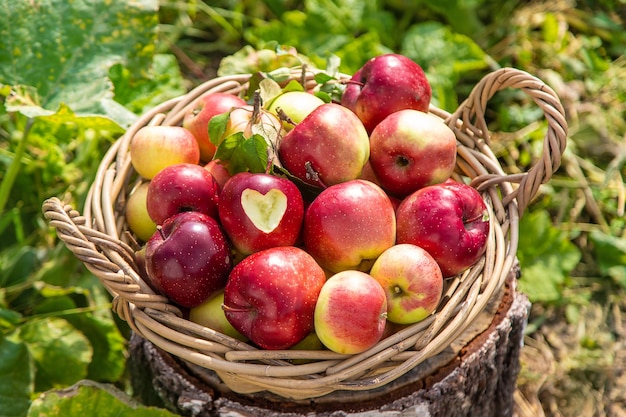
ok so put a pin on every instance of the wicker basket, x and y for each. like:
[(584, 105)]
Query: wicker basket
[(101, 240)]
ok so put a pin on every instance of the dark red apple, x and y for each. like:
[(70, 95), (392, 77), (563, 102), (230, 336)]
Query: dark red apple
[(188, 258), (270, 296), (260, 211), (450, 221), (182, 187), (384, 85)]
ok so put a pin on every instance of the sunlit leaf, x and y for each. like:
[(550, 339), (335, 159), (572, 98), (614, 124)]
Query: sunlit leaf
[(64, 50), (60, 352), (89, 399)]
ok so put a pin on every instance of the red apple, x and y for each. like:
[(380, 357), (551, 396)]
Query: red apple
[(219, 171), (327, 147), (182, 187), (350, 314), (449, 220), (156, 147), (349, 225), (260, 211), (384, 85), (412, 281), (136, 212), (197, 119), (270, 296), (188, 258), (295, 105), (410, 149)]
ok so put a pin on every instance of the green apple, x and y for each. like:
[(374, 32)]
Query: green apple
[(412, 281), (137, 216), (210, 314), (296, 105)]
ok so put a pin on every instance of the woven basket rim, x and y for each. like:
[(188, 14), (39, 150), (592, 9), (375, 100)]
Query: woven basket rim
[(101, 240)]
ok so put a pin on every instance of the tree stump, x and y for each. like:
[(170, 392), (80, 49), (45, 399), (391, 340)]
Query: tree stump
[(476, 379)]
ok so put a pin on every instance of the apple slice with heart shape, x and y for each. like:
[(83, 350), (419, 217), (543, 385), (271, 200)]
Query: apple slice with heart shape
[(259, 211), (265, 211)]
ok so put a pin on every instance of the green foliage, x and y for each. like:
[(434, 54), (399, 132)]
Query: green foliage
[(546, 257), (88, 398), (16, 378), (75, 74)]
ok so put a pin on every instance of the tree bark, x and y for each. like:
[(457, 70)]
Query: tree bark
[(478, 380)]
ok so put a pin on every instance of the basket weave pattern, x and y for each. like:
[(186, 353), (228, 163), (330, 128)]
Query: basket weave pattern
[(101, 240)]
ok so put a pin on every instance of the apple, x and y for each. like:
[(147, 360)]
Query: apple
[(244, 119), (327, 147), (351, 311), (270, 296), (182, 187), (153, 148), (410, 150), (412, 281), (385, 84), (348, 225), (188, 258), (295, 105), (259, 211), (210, 314), (448, 220), (219, 171), (197, 119), (136, 212)]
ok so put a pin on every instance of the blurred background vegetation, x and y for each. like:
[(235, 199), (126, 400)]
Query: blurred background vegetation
[(72, 83)]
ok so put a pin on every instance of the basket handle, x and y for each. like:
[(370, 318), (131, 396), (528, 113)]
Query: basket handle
[(111, 261), (470, 127)]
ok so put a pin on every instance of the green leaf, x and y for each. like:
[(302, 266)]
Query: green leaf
[(109, 346), (546, 257), (243, 154), (217, 127), (16, 378), (139, 94), (60, 352), (445, 57), (17, 264), (88, 398), (610, 254), (63, 51)]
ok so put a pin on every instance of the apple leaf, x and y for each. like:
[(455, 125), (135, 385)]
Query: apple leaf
[(217, 127), (56, 51), (91, 398), (60, 352), (244, 154), (546, 257), (16, 378)]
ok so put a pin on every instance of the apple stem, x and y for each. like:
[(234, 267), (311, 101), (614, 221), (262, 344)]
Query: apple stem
[(312, 175), (484, 216), (283, 116), (256, 107), (353, 82), (235, 309), (160, 230)]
